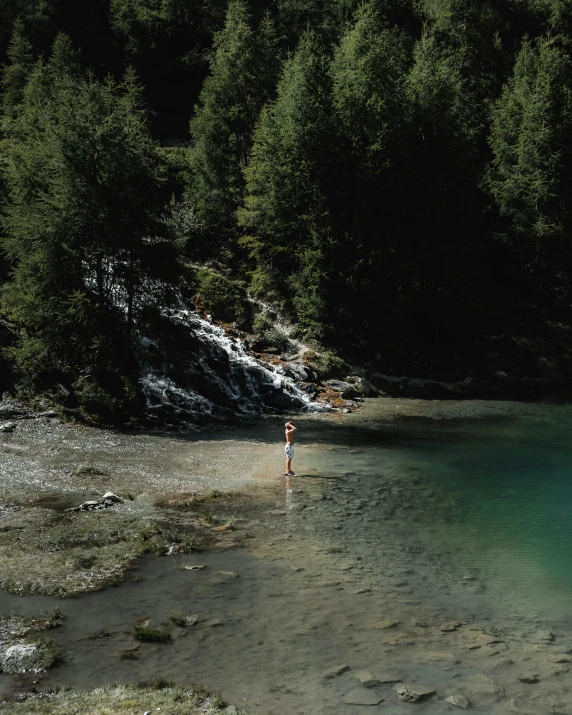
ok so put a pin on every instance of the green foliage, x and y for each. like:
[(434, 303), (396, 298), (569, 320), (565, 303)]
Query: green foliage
[(530, 178), (243, 68), (83, 225), (226, 298), (286, 203), (329, 364), (15, 73)]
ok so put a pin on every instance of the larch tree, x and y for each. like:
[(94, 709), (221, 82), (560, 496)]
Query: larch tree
[(83, 226), (286, 213), (530, 177), (243, 73)]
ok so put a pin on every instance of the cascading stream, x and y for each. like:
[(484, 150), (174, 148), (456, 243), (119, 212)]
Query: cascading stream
[(200, 371)]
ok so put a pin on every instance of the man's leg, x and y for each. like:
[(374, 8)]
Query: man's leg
[(288, 462)]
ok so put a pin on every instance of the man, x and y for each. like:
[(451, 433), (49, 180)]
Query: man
[(289, 449)]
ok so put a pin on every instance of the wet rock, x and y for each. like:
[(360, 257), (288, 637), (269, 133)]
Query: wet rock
[(448, 627), (543, 637), (557, 669), (362, 696), (481, 686), (503, 663), (413, 693), (336, 670), (444, 657), (518, 705), (528, 678), (89, 505), (367, 679), (389, 678), (458, 701), (215, 623), (111, 497), (386, 624), (7, 427), (18, 658), (559, 658)]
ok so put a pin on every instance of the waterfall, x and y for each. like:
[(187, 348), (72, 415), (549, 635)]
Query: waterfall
[(194, 369)]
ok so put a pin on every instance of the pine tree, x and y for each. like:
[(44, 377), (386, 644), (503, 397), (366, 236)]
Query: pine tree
[(477, 36), (243, 73), (15, 72), (530, 177), (286, 208), (441, 191), (372, 114), (83, 224)]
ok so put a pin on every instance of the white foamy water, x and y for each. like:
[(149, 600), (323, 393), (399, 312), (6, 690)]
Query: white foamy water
[(223, 378)]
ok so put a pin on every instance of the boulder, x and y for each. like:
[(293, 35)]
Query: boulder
[(7, 427), (346, 389)]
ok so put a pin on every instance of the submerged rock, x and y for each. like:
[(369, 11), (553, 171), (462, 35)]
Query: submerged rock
[(413, 693), (458, 701), (362, 696), (336, 670)]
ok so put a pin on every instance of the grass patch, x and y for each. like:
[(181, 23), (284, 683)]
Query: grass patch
[(162, 684), (150, 635), (178, 619), (48, 654), (124, 699)]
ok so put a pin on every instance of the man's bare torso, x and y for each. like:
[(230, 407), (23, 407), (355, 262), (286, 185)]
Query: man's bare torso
[(289, 433)]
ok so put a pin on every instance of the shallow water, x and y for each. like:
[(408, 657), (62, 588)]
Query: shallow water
[(422, 513)]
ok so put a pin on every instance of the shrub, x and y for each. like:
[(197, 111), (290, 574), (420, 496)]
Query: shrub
[(330, 365), (224, 297)]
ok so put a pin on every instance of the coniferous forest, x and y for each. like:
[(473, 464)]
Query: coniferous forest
[(395, 176)]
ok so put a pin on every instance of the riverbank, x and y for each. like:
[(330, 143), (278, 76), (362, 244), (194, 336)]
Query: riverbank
[(310, 582)]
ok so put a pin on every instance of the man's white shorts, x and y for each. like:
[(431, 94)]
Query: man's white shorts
[(289, 449)]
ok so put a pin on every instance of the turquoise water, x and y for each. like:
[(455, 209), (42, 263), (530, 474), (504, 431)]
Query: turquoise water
[(502, 496)]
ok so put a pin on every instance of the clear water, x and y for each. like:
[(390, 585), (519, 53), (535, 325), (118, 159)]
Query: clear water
[(445, 512)]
